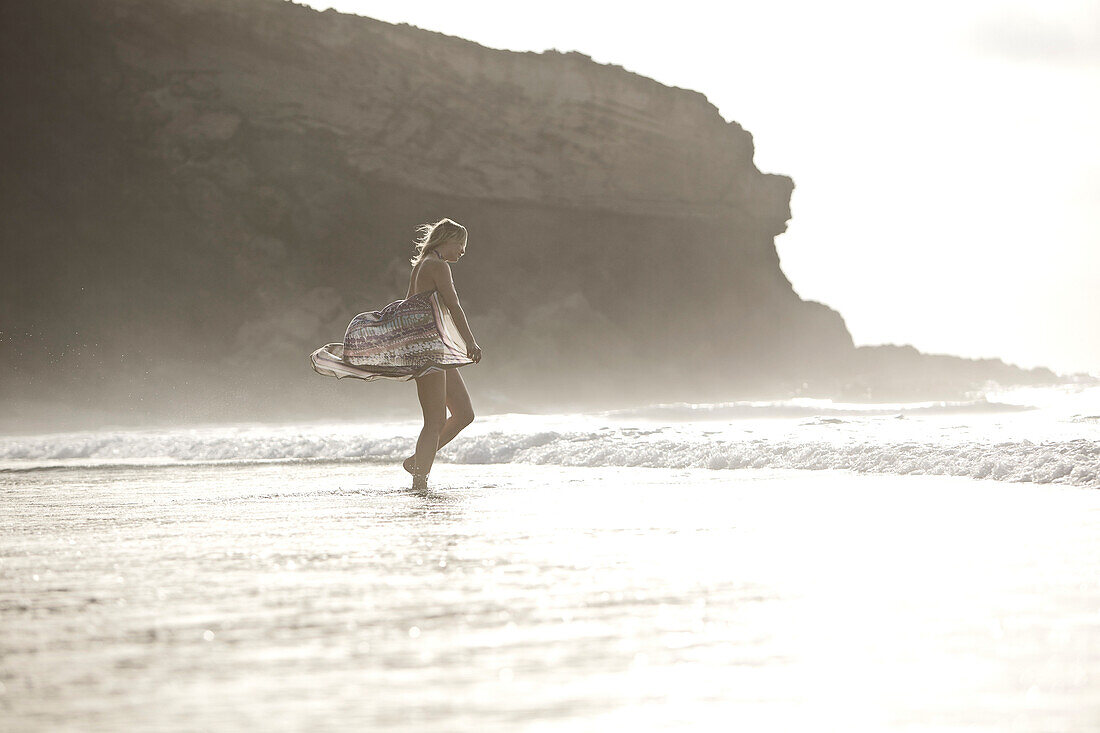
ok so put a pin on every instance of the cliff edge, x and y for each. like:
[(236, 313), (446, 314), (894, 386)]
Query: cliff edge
[(200, 192)]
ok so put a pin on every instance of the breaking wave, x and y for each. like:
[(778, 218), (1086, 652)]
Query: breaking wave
[(1073, 462)]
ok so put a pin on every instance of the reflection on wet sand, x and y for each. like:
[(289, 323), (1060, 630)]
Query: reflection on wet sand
[(294, 595)]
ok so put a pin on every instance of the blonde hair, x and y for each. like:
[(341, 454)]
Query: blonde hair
[(433, 235)]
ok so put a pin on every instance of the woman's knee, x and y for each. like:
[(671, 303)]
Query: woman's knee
[(463, 417), (434, 421)]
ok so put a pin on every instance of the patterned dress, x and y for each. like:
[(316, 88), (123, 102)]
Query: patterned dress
[(405, 340)]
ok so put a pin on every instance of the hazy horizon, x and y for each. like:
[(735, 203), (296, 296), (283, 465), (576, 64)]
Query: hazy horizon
[(962, 134)]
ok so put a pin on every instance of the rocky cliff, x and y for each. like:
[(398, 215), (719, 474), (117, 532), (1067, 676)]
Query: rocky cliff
[(197, 193)]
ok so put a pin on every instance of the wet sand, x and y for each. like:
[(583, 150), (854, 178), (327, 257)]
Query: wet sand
[(325, 596)]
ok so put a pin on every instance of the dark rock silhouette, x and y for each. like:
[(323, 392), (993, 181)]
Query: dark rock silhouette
[(198, 193)]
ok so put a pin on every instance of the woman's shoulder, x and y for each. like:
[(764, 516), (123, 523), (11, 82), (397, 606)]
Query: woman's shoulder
[(434, 264)]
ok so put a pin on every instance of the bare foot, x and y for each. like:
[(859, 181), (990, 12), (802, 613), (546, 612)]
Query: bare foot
[(420, 482), (409, 465)]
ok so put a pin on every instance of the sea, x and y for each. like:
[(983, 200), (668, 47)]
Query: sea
[(798, 564)]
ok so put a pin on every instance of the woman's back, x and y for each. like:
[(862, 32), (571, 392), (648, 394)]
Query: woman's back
[(419, 281)]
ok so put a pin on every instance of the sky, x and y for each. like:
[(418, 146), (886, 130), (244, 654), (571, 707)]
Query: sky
[(945, 154)]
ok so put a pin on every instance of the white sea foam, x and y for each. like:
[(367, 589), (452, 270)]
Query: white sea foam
[(1075, 462), (1043, 445)]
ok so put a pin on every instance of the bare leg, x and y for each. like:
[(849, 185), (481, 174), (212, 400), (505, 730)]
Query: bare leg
[(432, 391), (462, 414), (458, 402)]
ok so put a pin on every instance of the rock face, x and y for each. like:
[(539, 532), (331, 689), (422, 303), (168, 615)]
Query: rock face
[(198, 193)]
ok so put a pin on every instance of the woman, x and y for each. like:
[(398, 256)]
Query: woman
[(424, 337), (440, 244)]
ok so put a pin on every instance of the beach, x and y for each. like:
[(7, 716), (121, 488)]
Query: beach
[(325, 594), (780, 426)]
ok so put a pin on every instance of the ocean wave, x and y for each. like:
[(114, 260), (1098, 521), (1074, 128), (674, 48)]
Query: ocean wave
[(810, 408), (1075, 462), (1072, 462)]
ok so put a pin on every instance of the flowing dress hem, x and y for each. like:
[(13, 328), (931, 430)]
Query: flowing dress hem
[(328, 361)]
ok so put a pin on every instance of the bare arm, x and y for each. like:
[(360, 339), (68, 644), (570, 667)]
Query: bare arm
[(445, 286)]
